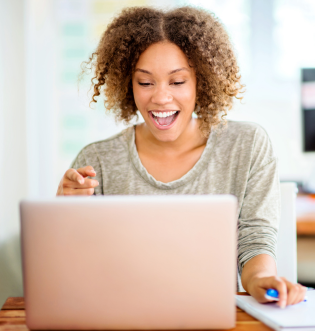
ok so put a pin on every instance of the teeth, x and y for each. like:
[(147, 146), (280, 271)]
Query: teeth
[(164, 114)]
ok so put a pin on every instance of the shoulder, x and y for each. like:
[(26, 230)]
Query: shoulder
[(245, 129), (114, 145), (249, 133), (247, 139)]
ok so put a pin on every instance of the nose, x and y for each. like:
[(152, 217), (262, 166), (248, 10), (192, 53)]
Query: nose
[(161, 96)]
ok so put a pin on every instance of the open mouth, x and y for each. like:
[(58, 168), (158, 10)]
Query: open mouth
[(164, 119)]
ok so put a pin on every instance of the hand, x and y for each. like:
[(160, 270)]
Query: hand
[(289, 293), (74, 182)]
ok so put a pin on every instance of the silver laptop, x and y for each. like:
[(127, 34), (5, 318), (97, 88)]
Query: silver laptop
[(130, 262)]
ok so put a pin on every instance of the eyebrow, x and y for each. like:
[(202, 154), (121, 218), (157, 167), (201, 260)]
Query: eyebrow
[(169, 73)]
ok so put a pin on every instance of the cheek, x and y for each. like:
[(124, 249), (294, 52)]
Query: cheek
[(141, 97), (187, 95)]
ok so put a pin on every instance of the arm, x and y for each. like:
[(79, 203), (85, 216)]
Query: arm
[(260, 273), (258, 226)]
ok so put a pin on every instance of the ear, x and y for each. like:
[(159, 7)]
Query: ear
[(197, 108)]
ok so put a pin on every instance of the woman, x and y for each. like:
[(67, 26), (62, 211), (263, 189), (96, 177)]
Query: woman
[(168, 65)]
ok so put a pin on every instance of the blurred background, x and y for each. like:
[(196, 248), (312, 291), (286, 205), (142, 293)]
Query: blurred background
[(45, 117)]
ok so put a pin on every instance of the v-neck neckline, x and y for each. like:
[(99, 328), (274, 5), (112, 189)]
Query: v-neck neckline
[(190, 175)]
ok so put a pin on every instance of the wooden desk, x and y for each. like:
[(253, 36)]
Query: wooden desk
[(12, 317), (305, 226), (305, 223)]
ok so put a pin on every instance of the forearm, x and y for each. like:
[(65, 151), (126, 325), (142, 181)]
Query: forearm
[(261, 265)]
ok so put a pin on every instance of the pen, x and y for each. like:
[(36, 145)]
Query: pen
[(273, 294)]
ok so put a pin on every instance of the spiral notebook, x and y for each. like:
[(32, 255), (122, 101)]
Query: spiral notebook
[(296, 317)]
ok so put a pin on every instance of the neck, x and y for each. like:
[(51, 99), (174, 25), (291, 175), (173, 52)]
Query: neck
[(189, 139)]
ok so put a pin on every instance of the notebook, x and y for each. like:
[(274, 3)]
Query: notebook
[(296, 317)]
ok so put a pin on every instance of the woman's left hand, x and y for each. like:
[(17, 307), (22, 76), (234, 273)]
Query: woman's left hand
[(289, 293)]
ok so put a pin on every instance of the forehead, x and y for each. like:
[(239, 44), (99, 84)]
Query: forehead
[(162, 57)]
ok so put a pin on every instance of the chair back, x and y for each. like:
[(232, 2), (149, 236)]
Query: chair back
[(286, 252)]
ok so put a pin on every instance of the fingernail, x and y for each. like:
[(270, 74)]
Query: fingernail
[(81, 181), (282, 305)]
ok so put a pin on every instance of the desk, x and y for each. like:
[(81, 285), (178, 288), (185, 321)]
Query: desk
[(12, 317), (305, 229), (305, 208), (305, 225)]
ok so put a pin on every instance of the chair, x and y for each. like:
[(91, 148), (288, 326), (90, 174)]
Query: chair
[(286, 251)]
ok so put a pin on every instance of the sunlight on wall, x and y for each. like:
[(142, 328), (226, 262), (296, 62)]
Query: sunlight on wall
[(294, 36)]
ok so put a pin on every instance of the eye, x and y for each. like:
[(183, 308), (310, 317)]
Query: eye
[(144, 84), (179, 83)]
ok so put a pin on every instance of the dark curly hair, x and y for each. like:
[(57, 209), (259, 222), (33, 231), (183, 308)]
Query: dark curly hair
[(198, 33)]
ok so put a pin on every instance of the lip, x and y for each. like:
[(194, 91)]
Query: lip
[(162, 127)]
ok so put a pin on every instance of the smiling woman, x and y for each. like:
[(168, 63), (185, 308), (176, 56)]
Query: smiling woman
[(167, 65)]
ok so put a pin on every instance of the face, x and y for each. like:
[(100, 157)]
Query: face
[(164, 88)]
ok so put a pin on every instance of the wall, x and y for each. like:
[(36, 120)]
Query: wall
[(13, 147)]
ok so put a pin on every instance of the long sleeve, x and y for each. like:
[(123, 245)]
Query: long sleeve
[(260, 210)]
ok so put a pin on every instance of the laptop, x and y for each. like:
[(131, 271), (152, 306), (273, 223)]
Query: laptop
[(130, 262)]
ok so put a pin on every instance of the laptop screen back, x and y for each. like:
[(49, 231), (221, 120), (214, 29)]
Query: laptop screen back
[(130, 262)]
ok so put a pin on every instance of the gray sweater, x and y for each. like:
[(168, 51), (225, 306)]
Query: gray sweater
[(238, 159)]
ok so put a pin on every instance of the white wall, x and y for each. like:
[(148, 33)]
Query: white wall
[(40, 103), (13, 147)]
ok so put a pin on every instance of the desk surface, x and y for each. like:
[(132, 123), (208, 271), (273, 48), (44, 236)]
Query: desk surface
[(12, 317)]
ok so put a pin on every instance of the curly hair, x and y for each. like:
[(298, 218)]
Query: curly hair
[(200, 36)]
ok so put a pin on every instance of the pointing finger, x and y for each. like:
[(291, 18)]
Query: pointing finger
[(87, 171), (74, 176)]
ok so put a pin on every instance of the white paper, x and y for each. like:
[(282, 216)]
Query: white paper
[(301, 315)]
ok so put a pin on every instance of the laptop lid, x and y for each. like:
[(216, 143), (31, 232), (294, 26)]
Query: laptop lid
[(130, 262)]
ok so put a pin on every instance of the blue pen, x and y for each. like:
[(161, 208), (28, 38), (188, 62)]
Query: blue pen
[(273, 294)]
